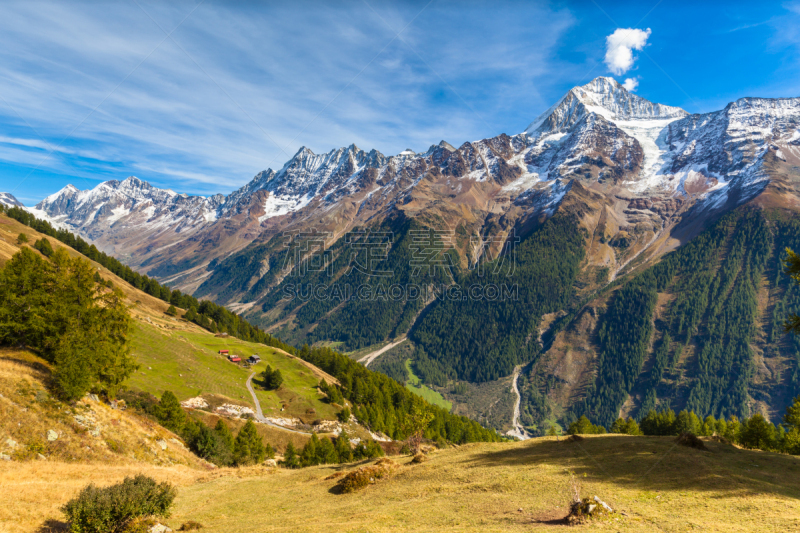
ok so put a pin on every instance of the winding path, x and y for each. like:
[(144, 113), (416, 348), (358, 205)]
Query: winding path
[(260, 415), (367, 359), (518, 431)]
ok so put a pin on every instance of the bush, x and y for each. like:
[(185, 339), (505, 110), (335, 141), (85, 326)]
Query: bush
[(22, 238), (366, 475), (111, 509)]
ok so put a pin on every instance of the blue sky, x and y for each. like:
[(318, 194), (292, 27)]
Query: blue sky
[(199, 97)]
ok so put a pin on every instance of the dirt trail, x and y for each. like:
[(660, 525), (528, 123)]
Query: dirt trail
[(367, 359), (260, 415), (518, 431)]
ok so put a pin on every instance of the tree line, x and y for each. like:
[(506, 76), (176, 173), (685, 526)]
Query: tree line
[(755, 432), (96, 353), (206, 314), (714, 281)]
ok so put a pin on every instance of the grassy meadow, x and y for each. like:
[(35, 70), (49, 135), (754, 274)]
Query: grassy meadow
[(188, 364), (506, 487), (417, 387)]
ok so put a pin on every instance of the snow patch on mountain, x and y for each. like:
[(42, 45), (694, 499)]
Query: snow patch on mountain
[(8, 200)]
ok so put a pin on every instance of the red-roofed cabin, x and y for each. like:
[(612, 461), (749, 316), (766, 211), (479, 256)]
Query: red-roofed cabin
[(223, 352), (234, 358)]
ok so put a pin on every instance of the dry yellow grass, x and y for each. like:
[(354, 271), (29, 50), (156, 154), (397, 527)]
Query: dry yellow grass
[(87, 431), (478, 487)]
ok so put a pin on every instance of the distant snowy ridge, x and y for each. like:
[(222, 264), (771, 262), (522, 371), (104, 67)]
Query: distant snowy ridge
[(598, 132), (8, 200)]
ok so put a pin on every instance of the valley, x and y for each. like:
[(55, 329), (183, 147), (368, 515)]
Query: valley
[(560, 218)]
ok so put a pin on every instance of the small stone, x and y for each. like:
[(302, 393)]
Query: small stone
[(80, 419), (95, 433), (520, 509), (41, 457), (94, 397), (591, 507), (5, 457), (52, 435), (159, 528), (162, 443), (271, 462), (11, 443), (604, 504)]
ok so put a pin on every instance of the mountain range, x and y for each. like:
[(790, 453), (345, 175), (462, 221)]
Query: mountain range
[(640, 234)]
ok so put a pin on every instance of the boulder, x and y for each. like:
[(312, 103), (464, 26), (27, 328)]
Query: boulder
[(11, 443), (162, 443), (5, 457), (52, 435), (159, 528), (41, 457), (271, 462)]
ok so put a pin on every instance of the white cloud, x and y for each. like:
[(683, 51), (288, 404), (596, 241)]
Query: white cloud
[(619, 48), (631, 84), (257, 94)]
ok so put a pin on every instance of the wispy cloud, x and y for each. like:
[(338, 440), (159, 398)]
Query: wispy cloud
[(183, 126)]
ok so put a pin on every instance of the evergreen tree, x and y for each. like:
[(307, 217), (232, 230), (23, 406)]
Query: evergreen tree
[(224, 433), (248, 448), (792, 416), (57, 309), (22, 238), (290, 458), (44, 246), (171, 311), (757, 433), (344, 415), (326, 452), (631, 427), (309, 456), (687, 422), (276, 380), (618, 426), (170, 413), (343, 451)]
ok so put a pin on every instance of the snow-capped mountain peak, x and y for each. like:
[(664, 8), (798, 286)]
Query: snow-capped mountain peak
[(602, 96), (7, 199)]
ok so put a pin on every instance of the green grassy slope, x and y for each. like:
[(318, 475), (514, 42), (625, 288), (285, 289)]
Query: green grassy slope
[(187, 363), (431, 396)]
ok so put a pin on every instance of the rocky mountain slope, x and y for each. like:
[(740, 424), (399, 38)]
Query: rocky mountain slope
[(626, 179)]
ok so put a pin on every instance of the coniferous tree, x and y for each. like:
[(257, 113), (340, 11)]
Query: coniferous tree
[(344, 452), (44, 246), (276, 380), (22, 238), (290, 458), (248, 448), (170, 413)]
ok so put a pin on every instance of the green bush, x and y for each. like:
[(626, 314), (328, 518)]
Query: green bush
[(111, 509)]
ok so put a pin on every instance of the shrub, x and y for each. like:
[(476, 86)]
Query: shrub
[(22, 238), (366, 475), (111, 509), (190, 526)]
